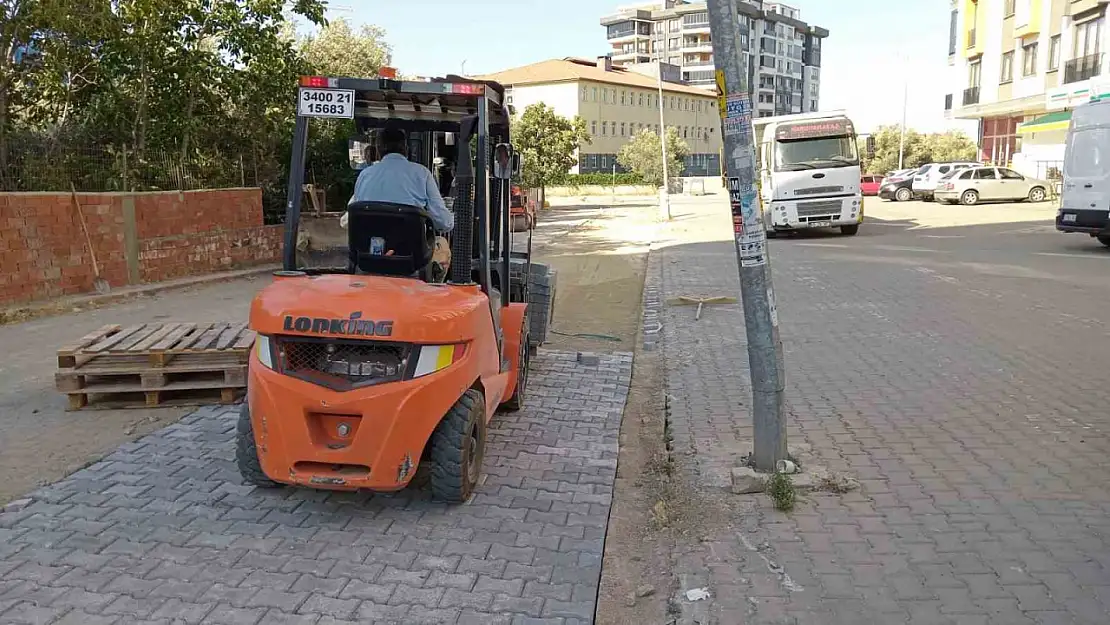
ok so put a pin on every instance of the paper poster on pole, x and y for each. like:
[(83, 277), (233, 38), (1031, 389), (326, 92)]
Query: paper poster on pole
[(722, 102), (738, 115)]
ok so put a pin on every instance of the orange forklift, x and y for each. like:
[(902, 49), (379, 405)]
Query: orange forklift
[(369, 366)]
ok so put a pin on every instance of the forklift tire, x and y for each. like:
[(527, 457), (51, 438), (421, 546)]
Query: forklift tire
[(516, 402), (246, 453), (520, 223), (457, 448), (541, 303)]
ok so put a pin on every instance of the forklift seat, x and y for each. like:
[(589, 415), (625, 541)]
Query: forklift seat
[(407, 231)]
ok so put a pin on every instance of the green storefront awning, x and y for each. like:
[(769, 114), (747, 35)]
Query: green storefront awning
[(1045, 123)]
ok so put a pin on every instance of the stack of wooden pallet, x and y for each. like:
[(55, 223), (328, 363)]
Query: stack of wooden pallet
[(156, 364)]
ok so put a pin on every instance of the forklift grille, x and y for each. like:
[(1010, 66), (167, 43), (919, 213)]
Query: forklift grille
[(343, 365)]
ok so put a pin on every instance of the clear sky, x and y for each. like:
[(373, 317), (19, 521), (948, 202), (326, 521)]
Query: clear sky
[(872, 47)]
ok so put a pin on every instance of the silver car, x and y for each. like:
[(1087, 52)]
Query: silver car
[(989, 184)]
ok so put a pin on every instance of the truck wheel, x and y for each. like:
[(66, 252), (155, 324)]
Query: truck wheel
[(541, 303), (516, 402), (458, 446), (1104, 239), (246, 453), (903, 195), (849, 231)]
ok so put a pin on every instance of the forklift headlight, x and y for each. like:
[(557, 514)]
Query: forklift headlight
[(435, 358), (262, 347)]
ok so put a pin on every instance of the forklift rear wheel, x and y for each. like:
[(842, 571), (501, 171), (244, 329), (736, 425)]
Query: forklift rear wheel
[(458, 445), (516, 402), (541, 303), (246, 453), (520, 223)]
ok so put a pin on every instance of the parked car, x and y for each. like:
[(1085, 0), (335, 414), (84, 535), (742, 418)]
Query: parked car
[(898, 174), (869, 185), (990, 184), (897, 189), (926, 178)]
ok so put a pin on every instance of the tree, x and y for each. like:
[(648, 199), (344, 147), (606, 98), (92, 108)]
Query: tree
[(919, 149), (643, 155), (547, 142), (339, 51)]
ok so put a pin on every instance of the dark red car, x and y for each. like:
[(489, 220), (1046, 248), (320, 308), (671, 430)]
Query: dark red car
[(869, 185)]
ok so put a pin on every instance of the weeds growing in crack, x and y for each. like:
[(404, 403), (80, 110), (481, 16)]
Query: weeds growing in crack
[(781, 490)]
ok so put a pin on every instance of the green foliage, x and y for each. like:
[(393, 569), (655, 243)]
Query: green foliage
[(547, 142), (194, 92), (919, 149), (603, 179), (338, 51), (780, 488), (643, 154)]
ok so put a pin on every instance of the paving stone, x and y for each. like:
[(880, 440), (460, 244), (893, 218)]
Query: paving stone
[(164, 529), (946, 389)]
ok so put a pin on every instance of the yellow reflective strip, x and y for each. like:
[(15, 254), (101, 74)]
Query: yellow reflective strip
[(445, 357)]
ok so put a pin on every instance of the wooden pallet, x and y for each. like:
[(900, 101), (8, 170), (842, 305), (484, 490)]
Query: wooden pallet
[(153, 364)]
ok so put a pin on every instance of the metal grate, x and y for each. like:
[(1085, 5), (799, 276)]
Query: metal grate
[(342, 365), (816, 190), (810, 209)]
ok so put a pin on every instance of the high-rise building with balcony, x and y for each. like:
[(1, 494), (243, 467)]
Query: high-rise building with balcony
[(781, 52), (1019, 67)]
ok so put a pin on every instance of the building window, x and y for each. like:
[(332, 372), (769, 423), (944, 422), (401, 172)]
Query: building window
[(1011, 8), (1007, 67), (585, 93), (605, 129), (593, 128), (974, 74), (1029, 59), (1087, 36), (642, 101), (622, 130), (1054, 53)]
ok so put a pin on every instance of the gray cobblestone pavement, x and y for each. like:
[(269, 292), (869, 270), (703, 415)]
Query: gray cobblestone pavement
[(163, 531), (958, 373)]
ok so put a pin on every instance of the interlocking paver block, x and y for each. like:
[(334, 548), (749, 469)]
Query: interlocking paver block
[(163, 529)]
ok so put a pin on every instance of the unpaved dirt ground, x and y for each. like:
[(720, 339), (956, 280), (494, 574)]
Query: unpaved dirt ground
[(600, 252), (39, 441)]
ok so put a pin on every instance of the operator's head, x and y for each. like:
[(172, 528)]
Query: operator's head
[(392, 141)]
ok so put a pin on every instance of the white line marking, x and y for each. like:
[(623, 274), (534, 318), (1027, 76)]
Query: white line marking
[(943, 236), (899, 248), (837, 245), (1095, 256)]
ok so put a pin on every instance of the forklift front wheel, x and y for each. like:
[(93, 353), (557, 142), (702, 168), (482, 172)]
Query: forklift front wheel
[(246, 452), (458, 446)]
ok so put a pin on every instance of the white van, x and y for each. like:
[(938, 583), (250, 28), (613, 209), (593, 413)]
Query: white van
[(926, 179), (1085, 199)]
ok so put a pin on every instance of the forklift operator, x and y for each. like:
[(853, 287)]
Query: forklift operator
[(396, 179)]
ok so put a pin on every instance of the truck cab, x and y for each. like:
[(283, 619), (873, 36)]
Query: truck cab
[(1085, 198), (809, 172)]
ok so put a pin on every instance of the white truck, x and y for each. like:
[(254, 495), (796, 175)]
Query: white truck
[(1085, 197), (809, 172)]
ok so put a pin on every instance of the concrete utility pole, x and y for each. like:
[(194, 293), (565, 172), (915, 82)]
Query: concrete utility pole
[(905, 105), (760, 316)]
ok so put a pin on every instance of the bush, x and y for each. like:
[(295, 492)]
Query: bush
[(606, 180)]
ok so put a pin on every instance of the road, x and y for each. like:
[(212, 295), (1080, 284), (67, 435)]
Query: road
[(950, 359)]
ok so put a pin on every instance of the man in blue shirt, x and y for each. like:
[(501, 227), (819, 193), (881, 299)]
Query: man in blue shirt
[(396, 179)]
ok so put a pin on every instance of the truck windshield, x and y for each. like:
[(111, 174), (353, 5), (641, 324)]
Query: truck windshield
[(816, 153)]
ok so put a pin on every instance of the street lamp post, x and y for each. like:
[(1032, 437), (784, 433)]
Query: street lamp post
[(665, 194)]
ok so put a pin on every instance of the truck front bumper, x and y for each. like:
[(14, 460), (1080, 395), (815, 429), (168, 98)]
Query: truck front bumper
[(815, 213)]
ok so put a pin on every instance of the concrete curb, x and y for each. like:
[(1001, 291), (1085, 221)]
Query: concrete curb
[(36, 310)]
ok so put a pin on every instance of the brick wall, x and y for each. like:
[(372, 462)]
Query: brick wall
[(138, 238)]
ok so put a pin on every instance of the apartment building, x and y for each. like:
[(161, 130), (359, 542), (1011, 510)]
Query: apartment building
[(1019, 67), (782, 53), (616, 104)]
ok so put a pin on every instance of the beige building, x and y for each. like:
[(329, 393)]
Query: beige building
[(616, 103), (1019, 67)]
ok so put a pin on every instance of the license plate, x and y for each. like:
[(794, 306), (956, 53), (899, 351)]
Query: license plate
[(820, 224), (333, 103), (1069, 218)]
